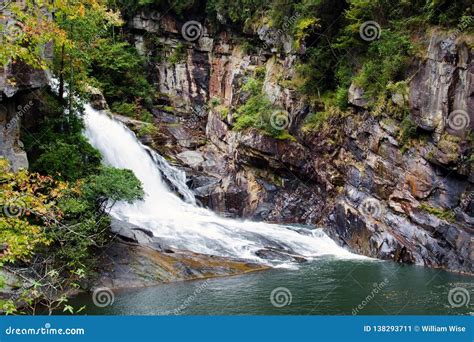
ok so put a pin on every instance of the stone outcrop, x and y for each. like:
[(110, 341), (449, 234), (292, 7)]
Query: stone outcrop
[(17, 100), (127, 265), (444, 86), (388, 205), (411, 204), (405, 206)]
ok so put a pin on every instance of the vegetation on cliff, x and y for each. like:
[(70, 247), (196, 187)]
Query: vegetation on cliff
[(54, 217), (326, 37), (258, 111)]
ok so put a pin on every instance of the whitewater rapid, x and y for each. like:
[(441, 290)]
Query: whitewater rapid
[(181, 223)]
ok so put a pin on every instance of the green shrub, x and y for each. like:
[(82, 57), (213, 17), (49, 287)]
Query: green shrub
[(125, 109), (317, 71), (67, 161), (223, 111), (215, 101), (253, 113), (341, 97), (112, 184), (146, 116), (120, 72), (330, 105), (178, 54), (303, 29), (443, 214), (55, 228), (238, 11), (146, 129), (85, 206), (132, 110), (386, 61), (258, 112), (58, 148), (248, 47), (314, 121), (253, 86), (260, 72), (408, 131)]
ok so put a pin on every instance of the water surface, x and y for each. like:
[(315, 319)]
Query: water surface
[(326, 286)]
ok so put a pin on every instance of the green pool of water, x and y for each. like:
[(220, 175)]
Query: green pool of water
[(325, 286)]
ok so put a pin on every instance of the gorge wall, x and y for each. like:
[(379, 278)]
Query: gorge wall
[(355, 175), (375, 193)]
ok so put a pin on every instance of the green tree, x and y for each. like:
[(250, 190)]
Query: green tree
[(60, 224)]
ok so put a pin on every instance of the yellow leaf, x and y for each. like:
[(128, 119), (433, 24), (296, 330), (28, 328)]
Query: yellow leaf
[(82, 10)]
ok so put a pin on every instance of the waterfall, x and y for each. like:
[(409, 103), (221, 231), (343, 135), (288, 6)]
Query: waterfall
[(180, 223)]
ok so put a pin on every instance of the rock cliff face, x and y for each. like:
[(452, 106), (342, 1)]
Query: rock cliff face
[(379, 196), (17, 100), (443, 85)]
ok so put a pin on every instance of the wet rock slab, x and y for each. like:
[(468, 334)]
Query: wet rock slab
[(136, 259), (126, 265)]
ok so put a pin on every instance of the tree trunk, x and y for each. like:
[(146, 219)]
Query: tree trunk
[(61, 76)]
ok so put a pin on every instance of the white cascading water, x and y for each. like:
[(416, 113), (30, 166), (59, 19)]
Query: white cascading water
[(180, 223)]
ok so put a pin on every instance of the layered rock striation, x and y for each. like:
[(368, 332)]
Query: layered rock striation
[(382, 197)]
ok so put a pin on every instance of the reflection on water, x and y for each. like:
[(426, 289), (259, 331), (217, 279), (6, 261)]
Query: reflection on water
[(324, 286)]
